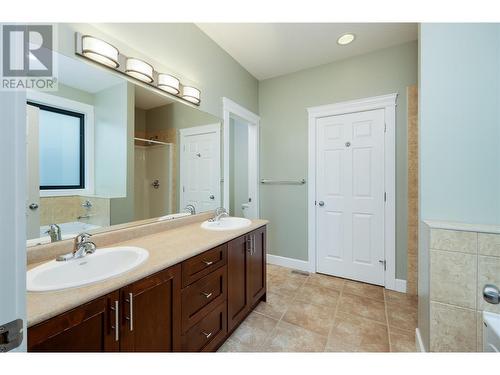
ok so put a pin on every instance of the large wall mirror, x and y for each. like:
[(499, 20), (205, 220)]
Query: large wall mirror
[(103, 151)]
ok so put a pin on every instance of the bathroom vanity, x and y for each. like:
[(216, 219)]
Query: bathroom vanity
[(185, 300)]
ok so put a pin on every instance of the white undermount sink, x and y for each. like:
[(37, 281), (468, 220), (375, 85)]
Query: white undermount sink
[(226, 223), (101, 265)]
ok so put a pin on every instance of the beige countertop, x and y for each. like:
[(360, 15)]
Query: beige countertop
[(165, 248)]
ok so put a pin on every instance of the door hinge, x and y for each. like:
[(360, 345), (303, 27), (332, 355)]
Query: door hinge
[(11, 335), (183, 189), (385, 127), (385, 196), (384, 262)]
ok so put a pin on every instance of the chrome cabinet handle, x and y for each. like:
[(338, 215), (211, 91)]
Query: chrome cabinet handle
[(130, 301), (207, 262), (249, 244), (116, 327), (207, 335), (207, 295), (253, 244)]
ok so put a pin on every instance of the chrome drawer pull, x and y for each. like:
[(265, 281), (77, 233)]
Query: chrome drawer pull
[(207, 295), (117, 319), (207, 335), (207, 262), (130, 300)]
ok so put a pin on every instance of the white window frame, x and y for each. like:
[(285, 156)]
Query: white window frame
[(388, 104), (88, 112)]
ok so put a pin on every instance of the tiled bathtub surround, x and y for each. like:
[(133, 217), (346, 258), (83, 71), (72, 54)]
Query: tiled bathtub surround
[(462, 261), (55, 210)]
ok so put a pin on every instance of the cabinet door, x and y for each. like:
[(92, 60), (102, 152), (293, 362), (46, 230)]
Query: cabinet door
[(256, 268), (87, 328), (151, 313), (237, 287)]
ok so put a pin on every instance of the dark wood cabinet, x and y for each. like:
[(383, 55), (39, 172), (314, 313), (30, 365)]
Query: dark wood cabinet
[(151, 313), (246, 269), (87, 328), (192, 306)]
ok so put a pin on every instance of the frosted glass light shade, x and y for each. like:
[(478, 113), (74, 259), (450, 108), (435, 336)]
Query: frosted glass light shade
[(168, 83), (191, 94), (139, 69), (100, 51)]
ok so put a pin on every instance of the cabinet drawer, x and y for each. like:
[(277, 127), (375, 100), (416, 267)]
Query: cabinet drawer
[(201, 265), (208, 333), (202, 296)]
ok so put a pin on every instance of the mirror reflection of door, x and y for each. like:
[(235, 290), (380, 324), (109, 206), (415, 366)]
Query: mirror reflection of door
[(33, 174), (240, 202), (200, 167)]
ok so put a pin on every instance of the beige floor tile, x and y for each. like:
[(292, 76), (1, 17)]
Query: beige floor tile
[(355, 334), (234, 346), (318, 295), (291, 338), (254, 330), (402, 316), (364, 307), (364, 290), (315, 318), (286, 287), (400, 298), (402, 340), (275, 305), (330, 282)]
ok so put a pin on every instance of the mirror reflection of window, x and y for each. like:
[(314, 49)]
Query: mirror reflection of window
[(61, 148)]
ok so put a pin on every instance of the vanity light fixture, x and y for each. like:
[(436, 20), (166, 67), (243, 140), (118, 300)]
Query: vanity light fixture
[(100, 51), (191, 94), (106, 54), (169, 83), (346, 39), (139, 69)]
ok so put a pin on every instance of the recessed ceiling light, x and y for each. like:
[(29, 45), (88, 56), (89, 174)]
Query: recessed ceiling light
[(346, 38)]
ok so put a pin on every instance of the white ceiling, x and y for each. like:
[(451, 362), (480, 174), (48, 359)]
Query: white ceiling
[(145, 98), (268, 50), (84, 76)]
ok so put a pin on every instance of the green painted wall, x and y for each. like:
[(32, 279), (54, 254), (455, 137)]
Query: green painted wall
[(282, 105)]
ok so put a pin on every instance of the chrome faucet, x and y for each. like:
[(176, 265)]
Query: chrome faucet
[(82, 247), (191, 209), (54, 232), (219, 213)]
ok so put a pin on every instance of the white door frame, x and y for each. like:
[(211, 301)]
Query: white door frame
[(230, 110), (13, 169), (388, 103), (195, 130)]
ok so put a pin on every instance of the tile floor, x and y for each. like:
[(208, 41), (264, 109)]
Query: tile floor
[(320, 313)]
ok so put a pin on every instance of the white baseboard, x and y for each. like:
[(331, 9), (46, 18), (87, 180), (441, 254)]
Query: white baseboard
[(400, 285), (296, 264), (418, 341)]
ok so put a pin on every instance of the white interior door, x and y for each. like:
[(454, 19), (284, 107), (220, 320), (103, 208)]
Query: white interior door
[(33, 173), (200, 167), (350, 196)]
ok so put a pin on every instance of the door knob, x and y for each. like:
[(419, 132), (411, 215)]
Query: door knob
[(33, 206), (212, 197), (321, 203), (491, 294)]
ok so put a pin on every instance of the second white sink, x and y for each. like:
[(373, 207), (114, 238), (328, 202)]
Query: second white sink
[(103, 264), (226, 223)]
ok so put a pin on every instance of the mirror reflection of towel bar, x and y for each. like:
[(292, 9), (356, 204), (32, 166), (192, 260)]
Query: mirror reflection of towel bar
[(283, 182)]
